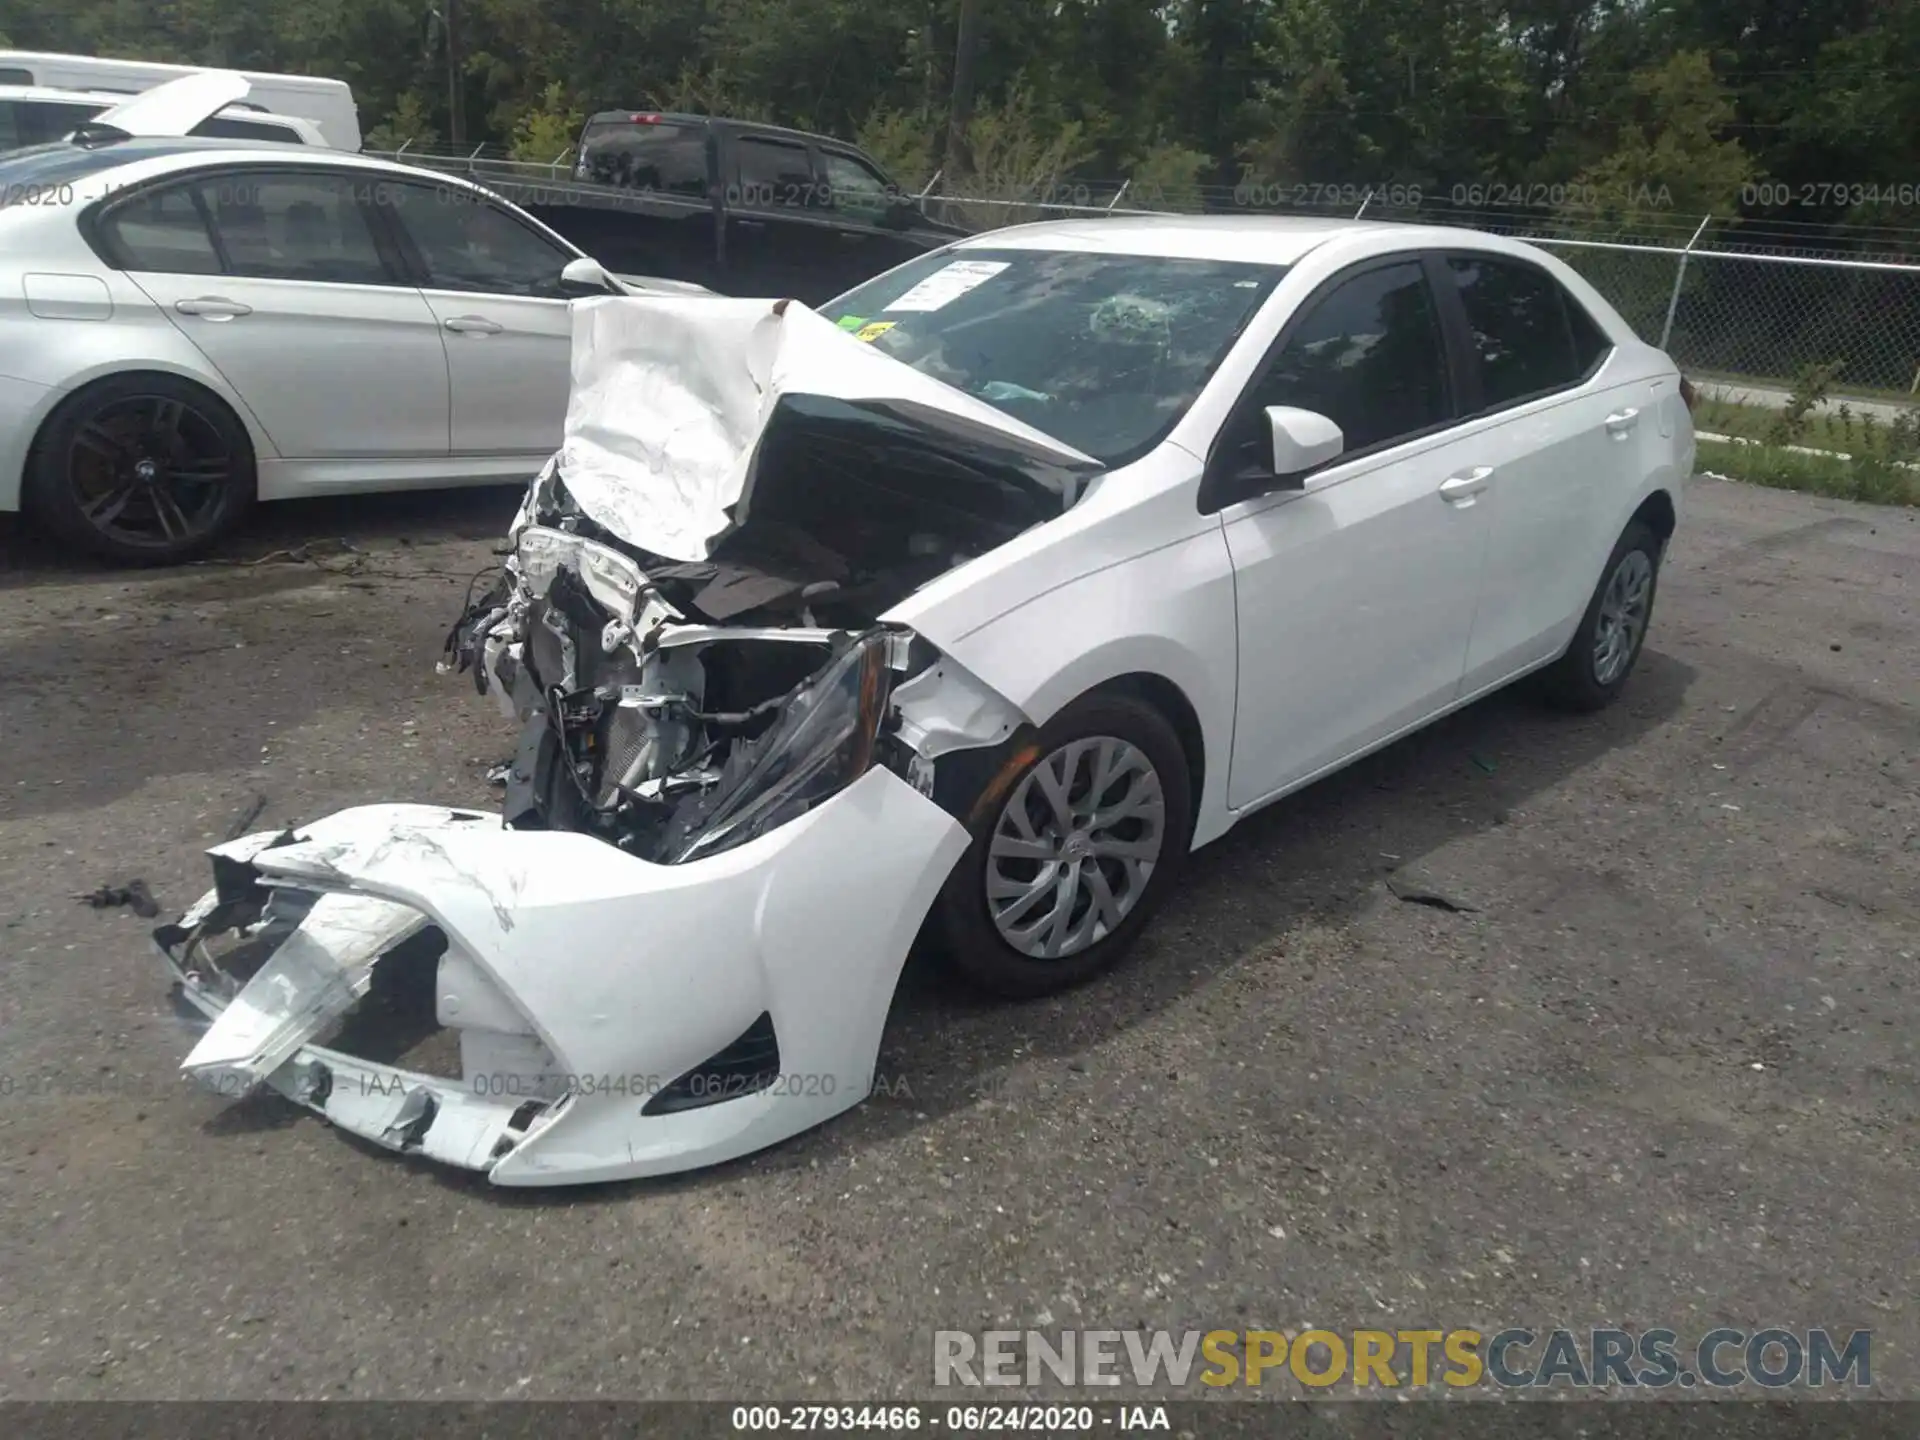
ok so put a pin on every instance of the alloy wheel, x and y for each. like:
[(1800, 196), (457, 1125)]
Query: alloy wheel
[(1074, 847), (1624, 608), (150, 471)]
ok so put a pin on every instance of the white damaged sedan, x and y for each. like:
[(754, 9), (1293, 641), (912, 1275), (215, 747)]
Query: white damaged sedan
[(972, 604)]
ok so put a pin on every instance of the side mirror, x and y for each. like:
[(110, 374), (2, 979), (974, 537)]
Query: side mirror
[(1302, 441), (586, 276)]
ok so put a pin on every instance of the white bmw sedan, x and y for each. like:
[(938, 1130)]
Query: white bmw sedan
[(973, 605), (187, 326)]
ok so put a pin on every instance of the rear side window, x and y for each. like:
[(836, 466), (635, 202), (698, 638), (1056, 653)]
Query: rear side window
[(1590, 342), (634, 155), (13, 75), (162, 231), (774, 174), (293, 226), (1523, 329)]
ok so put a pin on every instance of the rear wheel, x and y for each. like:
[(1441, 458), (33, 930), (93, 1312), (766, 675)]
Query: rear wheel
[(1606, 646), (1078, 840), (147, 469)]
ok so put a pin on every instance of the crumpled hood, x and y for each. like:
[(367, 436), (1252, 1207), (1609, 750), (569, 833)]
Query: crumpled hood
[(672, 397)]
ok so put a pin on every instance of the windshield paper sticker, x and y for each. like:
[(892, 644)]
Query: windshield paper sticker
[(873, 332), (948, 284)]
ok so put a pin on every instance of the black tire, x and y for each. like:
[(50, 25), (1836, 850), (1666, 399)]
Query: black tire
[(965, 923), (141, 468), (1578, 681)]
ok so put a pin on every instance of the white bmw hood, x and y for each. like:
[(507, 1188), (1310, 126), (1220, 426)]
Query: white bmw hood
[(672, 396)]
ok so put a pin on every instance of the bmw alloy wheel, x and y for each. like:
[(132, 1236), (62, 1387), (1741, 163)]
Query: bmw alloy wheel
[(1074, 847), (149, 471)]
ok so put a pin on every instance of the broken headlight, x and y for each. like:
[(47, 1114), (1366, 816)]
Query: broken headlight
[(823, 741)]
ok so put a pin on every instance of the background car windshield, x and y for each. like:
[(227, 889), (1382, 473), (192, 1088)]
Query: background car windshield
[(1104, 352)]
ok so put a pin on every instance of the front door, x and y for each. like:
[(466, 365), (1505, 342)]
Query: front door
[(1355, 596), (493, 283)]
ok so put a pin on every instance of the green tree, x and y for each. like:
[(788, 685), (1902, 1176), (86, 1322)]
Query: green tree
[(1671, 156)]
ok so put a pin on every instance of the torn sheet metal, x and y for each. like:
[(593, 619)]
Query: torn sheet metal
[(671, 397)]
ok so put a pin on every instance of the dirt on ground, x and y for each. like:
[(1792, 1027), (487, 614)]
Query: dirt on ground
[(1526, 1021)]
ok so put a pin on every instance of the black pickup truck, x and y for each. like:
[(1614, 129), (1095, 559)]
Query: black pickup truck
[(740, 208)]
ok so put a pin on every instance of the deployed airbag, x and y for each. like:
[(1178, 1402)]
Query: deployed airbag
[(672, 397)]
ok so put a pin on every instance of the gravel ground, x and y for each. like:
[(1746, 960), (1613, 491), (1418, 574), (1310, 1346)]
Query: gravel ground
[(1661, 1071)]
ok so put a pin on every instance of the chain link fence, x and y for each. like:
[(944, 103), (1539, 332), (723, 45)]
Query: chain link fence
[(1753, 306)]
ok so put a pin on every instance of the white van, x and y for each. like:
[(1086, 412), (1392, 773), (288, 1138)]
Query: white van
[(328, 104), (35, 115)]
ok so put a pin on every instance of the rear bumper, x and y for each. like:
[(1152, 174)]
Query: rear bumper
[(619, 978)]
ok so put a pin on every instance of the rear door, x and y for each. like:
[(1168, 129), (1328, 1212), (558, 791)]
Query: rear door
[(781, 237), (492, 281), (1557, 426), (279, 278)]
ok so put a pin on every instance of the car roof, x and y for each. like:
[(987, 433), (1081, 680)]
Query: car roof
[(1254, 239), (65, 95)]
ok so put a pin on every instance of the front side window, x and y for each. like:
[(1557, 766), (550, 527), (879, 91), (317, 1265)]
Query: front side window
[(1103, 352), (1368, 355), (293, 226), (858, 190), (160, 230), (467, 242), (1517, 320)]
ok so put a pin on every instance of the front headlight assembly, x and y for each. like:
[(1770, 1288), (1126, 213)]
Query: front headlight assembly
[(823, 741)]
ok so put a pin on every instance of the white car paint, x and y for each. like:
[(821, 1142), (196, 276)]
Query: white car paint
[(340, 387), (1301, 628), (325, 103), (36, 114)]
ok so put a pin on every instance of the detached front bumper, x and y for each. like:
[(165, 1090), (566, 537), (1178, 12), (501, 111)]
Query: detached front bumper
[(615, 1018)]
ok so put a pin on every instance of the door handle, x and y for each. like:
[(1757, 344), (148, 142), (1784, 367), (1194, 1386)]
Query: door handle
[(746, 224), (1621, 422), (473, 325), (212, 307), (1460, 489)]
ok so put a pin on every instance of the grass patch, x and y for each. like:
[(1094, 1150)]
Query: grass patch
[(1822, 430), (1878, 481), (1807, 446)]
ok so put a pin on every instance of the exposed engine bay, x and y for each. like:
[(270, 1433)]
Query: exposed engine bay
[(691, 623), (675, 708)]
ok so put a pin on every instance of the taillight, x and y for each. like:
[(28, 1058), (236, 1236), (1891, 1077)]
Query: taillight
[(1687, 393)]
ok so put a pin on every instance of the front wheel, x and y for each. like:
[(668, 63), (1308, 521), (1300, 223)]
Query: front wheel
[(1076, 841), (1614, 628), (148, 469)]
